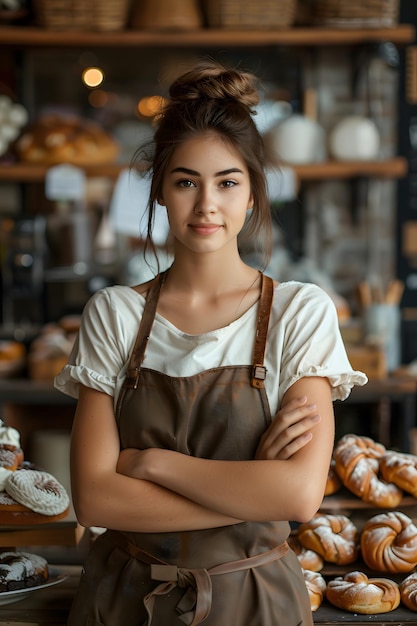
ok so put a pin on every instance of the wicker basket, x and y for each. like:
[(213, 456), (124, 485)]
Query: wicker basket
[(250, 13), (100, 15), (356, 13)]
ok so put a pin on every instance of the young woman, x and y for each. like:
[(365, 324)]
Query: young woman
[(204, 421)]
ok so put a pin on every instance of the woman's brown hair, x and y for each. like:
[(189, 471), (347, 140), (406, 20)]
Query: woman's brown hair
[(211, 98)]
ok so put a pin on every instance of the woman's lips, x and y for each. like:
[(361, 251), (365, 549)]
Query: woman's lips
[(205, 229)]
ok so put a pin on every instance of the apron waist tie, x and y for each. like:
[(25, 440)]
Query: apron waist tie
[(194, 607)]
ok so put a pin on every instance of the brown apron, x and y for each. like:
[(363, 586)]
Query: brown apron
[(239, 575)]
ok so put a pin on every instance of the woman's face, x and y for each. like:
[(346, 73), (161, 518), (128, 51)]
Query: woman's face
[(206, 191)]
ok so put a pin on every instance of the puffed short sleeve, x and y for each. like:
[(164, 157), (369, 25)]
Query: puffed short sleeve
[(313, 345), (101, 350)]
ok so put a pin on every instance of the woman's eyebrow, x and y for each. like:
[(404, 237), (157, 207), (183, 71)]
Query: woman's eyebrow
[(185, 170)]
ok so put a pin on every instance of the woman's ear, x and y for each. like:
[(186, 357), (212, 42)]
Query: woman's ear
[(250, 202), (160, 201)]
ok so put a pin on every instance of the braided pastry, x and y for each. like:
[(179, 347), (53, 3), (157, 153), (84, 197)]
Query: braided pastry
[(334, 537), (309, 560), (316, 587), (408, 591), (357, 593), (39, 491), (357, 464), (401, 469), (389, 542)]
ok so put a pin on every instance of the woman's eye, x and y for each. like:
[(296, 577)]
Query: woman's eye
[(228, 183), (185, 183)]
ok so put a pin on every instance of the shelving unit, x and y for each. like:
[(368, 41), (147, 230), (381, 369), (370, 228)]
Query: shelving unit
[(207, 37), (21, 39), (395, 167)]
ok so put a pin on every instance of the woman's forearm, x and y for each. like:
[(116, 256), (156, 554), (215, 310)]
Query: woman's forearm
[(248, 490), (123, 503)]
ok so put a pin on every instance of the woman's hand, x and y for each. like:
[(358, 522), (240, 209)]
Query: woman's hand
[(291, 430)]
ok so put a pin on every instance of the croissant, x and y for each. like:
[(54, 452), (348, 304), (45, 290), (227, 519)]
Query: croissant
[(389, 542), (408, 591), (357, 593), (357, 464), (316, 587), (334, 537), (401, 469)]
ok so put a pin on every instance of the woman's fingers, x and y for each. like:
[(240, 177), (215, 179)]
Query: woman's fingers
[(289, 431)]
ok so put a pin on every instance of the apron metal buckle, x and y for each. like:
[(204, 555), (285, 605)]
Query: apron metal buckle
[(258, 376)]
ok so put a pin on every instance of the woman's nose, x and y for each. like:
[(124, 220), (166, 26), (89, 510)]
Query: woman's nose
[(205, 203)]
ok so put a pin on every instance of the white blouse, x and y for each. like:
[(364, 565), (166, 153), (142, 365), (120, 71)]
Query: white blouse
[(303, 340)]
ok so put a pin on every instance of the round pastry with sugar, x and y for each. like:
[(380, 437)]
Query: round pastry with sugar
[(39, 491), (334, 537), (389, 542), (21, 570), (308, 559), (357, 461), (408, 591), (401, 469), (357, 593), (316, 587)]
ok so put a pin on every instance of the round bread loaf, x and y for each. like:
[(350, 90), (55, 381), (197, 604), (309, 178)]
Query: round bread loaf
[(357, 593), (334, 537), (389, 542)]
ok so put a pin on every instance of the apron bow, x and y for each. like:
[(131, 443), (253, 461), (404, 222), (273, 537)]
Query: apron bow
[(195, 604)]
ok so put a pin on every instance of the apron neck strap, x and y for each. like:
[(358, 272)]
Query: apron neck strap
[(142, 338)]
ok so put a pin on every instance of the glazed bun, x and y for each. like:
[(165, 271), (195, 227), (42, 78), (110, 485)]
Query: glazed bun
[(357, 593), (316, 587), (357, 461), (389, 543), (401, 469), (211, 81), (334, 537)]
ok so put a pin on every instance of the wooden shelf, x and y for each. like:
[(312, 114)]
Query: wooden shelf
[(311, 36), (346, 500), (395, 167)]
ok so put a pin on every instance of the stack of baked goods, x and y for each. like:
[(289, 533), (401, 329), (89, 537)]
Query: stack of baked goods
[(386, 545), (27, 495), (55, 139), (49, 352)]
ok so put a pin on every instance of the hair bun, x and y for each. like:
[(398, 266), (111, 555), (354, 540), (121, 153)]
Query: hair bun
[(214, 81)]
